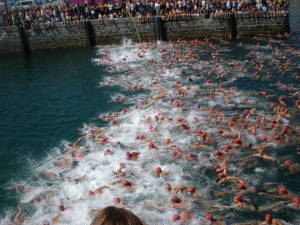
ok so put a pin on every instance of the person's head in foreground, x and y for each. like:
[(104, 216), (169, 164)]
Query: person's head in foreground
[(116, 216)]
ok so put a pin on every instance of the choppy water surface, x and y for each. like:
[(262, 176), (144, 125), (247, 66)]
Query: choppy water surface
[(48, 101)]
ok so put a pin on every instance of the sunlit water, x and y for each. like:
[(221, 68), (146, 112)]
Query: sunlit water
[(48, 101)]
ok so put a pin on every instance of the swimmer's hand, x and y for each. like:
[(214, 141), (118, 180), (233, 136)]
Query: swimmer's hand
[(112, 183), (91, 210), (8, 188)]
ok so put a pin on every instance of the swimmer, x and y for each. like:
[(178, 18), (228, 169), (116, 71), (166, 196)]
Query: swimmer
[(78, 180), (287, 164), (132, 155), (224, 178), (126, 183), (111, 69), (270, 221), (260, 154), (160, 172), (99, 190), (284, 194), (184, 125), (177, 153), (240, 202), (179, 203)]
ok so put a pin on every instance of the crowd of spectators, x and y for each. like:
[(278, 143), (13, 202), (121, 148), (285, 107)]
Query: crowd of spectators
[(142, 9)]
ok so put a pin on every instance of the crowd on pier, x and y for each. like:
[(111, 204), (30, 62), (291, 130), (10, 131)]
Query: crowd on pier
[(167, 9)]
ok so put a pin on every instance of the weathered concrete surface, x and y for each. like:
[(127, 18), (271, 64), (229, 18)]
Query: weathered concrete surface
[(113, 31)]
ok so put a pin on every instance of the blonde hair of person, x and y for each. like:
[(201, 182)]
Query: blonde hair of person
[(112, 215)]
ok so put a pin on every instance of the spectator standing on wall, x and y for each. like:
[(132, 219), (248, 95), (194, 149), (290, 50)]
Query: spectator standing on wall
[(157, 7)]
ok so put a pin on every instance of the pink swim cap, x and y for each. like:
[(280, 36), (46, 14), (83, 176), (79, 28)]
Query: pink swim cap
[(36, 200), (174, 198), (128, 154), (150, 145), (191, 189), (61, 208), (176, 217), (217, 152), (117, 200), (90, 193), (241, 186), (158, 170), (264, 138), (125, 183), (221, 175)]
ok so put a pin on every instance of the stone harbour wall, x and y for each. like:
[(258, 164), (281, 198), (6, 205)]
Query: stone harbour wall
[(14, 39)]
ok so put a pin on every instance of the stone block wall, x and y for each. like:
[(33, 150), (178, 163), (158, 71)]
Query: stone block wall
[(113, 31)]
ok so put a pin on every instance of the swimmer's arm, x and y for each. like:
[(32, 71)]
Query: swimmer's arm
[(79, 139), (117, 181), (291, 169), (101, 188), (283, 165), (79, 179), (54, 219), (18, 215), (122, 203), (269, 158), (94, 210)]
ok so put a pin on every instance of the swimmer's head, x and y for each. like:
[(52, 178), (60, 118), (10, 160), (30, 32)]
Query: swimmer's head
[(227, 147), (177, 82), (243, 116), (286, 110), (158, 170), (176, 217), (221, 85), (268, 217), (199, 131), (221, 175), (219, 131), (296, 201), (108, 151), (241, 186), (156, 117), (244, 125), (142, 136), (46, 222), (168, 141), (36, 200), (230, 124), (190, 156), (282, 190), (117, 200), (191, 189), (179, 119), (209, 217), (61, 208), (216, 166), (198, 143), (125, 183), (264, 138), (245, 99), (217, 152), (150, 145), (262, 151), (174, 153), (171, 99), (175, 199), (238, 198), (287, 163), (232, 118), (167, 185), (124, 110), (20, 187), (276, 137), (128, 154), (122, 165), (103, 140), (117, 99), (246, 111)]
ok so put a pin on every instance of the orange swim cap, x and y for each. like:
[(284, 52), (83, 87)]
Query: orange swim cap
[(238, 198), (209, 217), (268, 217)]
